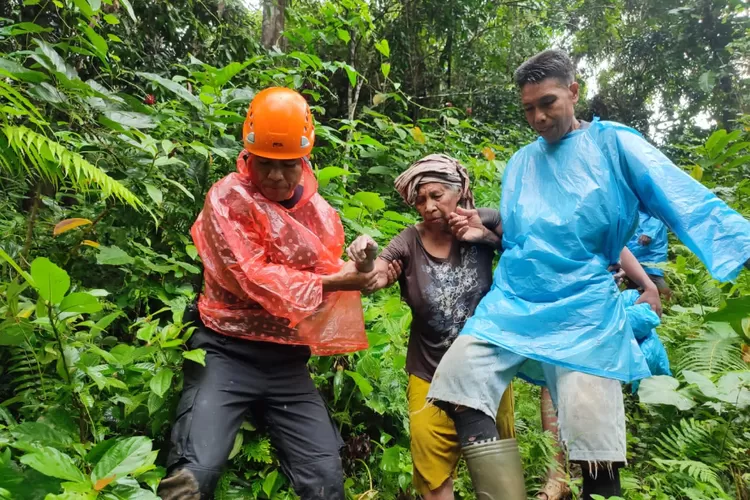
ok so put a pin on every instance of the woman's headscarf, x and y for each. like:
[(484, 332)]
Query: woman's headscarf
[(435, 168)]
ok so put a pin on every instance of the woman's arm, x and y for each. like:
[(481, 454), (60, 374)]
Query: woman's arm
[(387, 267), (634, 270)]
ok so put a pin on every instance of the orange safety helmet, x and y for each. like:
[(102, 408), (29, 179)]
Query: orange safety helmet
[(279, 125)]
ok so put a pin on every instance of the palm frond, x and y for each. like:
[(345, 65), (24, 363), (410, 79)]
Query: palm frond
[(41, 152)]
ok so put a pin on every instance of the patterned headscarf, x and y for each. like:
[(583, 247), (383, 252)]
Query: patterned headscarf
[(435, 168)]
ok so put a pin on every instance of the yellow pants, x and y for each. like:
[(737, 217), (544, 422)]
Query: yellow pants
[(435, 449)]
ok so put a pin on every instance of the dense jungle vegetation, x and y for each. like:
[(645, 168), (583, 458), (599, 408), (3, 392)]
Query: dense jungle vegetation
[(118, 115)]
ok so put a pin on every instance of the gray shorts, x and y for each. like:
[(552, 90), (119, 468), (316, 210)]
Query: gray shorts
[(591, 413)]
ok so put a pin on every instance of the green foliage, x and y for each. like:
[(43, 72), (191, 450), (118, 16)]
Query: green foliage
[(117, 117)]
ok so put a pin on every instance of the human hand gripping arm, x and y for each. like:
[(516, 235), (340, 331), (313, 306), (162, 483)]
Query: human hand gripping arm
[(361, 251), (635, 271), (467, 225)]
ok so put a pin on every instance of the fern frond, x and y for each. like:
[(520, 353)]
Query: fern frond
[(688, 439), (40, 150), (22, 105), (712, 352), (698, 471), (25, 381)]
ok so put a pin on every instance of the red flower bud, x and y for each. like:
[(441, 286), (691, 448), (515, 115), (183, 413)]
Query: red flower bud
[(449, 104), (468, 111), (149, 100)]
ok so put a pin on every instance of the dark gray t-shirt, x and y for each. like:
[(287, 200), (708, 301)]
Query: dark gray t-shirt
[(442, 293)]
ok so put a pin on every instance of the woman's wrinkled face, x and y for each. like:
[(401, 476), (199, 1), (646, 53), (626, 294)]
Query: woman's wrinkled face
[(276, 179), (435, 201)]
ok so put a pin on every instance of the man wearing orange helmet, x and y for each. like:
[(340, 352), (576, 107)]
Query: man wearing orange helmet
[(275, 291)]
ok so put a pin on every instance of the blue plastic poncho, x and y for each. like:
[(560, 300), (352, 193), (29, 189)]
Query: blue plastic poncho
[(656, 251), (568, 209), (643, 321)]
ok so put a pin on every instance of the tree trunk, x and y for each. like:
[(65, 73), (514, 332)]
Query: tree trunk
[(273, 24)]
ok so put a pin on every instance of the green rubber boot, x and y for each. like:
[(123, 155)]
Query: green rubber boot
[(495, 469)]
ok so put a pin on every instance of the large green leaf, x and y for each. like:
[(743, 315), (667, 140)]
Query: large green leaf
[(154, 193), (51, 281), (131, 119), (130, 492), (372, 201), (734, 388), (714, 139), (733, 312), (126, 456), (175, 87), (99, 43), (129, 8), (80, 302), (704, 383), (39, 433), (58, 64), (196, 355), (161, 382), (362, 383), (223, 75), (22, 29), (17, 70), (52, 462), (12, 333), (707, 81), (85, 7), (391, 460), (383, 47), (662, 390), (269, 483), (113, 256), (326, 174)]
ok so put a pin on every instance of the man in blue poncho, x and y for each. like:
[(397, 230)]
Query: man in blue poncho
[(649, 245), (569, 205)]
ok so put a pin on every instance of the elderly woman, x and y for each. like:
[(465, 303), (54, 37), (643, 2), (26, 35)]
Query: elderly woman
[(275, 291), (442, 280)]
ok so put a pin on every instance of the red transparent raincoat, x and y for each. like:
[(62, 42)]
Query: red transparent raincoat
[(263, 265)]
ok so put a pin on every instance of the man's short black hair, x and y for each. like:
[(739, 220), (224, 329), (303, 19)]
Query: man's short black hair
[(552, 63)]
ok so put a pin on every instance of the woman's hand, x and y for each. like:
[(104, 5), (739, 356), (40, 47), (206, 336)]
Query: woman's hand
[(350, 278), (618, 273), (644, 240), (388, 273), (466, 225), (651, 297), (362, 251)]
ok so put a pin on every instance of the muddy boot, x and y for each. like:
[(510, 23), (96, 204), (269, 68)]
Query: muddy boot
[(495, 469), (181, 485)]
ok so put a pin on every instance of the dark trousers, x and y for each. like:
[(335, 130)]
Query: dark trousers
[(273, 383)]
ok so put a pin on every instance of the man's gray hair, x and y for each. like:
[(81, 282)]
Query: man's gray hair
[(552, 63)]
